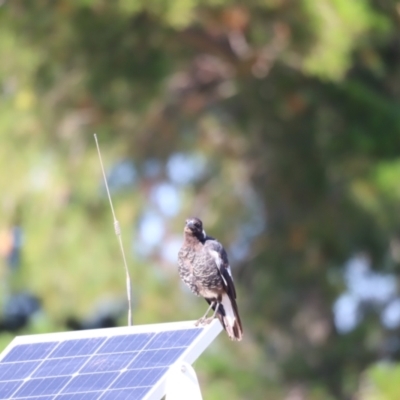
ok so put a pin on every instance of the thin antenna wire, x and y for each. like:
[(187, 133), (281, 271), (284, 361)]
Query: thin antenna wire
[(118, 233)]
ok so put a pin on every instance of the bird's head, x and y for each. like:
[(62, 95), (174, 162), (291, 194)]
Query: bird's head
[(194, 227)]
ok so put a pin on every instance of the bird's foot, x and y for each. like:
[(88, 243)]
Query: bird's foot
[(200, 321), (204, 321)]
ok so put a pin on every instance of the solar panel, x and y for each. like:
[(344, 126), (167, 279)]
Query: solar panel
[(107, 364)]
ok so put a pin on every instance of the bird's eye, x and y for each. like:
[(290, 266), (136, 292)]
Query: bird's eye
[(197, 225)]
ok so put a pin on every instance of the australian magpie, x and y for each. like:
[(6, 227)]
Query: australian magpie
[(203, 265)]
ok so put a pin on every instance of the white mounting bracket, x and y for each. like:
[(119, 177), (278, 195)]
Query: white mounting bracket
[(182, 383)]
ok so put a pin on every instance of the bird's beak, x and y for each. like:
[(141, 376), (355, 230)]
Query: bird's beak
[(189, 224)]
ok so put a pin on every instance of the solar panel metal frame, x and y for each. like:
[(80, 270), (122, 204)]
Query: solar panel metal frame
[(192, 352)]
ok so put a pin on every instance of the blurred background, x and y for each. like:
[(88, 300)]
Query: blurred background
[(277, 122)]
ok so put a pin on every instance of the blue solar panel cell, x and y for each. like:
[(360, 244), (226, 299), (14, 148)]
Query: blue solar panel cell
[(108, 362), (156, 358), (60, 366), (27, 352), (138, 378), (79, 347), (69, 396), (36, 398), (17, 370), (90, 382), (173, 339), (79, 396), (125, 394), (125, 343), (42, 386), (8, 388)]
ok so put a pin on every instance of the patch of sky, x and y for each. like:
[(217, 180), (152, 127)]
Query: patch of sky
[(122, 175), (150, 232), (252, 227), (169, 251), (366, 287), (166, 197), (239, 250), (256, 223), (390, 316), (183, 169), (346, 313), (152, 168)]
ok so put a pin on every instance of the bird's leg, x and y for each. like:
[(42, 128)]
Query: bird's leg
[(208, 320), (203, 318)]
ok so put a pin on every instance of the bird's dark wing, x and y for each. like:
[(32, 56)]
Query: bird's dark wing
[(217, 251)]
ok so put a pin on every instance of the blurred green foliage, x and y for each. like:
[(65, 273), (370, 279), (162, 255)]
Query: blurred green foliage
[(288, 112), (381, 383)]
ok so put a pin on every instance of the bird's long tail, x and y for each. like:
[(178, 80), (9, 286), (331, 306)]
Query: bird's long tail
[(228, 314)]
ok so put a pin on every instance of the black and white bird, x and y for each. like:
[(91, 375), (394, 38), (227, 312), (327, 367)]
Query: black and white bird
[(203, 265)]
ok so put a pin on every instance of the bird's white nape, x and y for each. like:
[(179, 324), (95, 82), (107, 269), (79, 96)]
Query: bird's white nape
[(204, 234)]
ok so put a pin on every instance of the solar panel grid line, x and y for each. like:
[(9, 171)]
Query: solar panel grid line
[(95, 333), (80, 369), (76, 376), (162, 352), (190, 355), (55, 347), (101, 364), (38, 366), (102, 395), (101, 333), (103, 344)]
